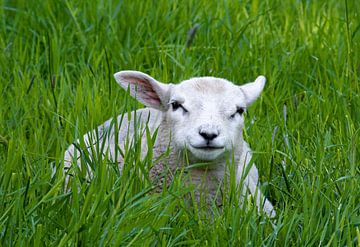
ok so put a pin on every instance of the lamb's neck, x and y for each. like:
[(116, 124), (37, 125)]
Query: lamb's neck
[(163, 139)]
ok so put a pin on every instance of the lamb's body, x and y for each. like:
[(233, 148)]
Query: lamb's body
[(169, 135), (105, 133)]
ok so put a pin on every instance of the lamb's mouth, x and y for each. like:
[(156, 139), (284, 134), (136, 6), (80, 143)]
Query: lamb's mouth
[(208, 148)]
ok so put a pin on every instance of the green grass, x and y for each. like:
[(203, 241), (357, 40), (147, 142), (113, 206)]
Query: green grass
[(57, 59)]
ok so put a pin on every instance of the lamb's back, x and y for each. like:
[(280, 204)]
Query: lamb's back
[(103, 138)]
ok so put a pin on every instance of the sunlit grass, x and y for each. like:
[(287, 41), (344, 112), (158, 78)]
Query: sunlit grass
[(56, 64)]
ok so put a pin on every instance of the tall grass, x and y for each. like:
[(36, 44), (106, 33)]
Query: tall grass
[(57, 59)]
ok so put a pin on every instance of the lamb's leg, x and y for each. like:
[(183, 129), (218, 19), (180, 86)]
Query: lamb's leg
[(260, 199), (251, 181), (72, 154), (71, 159), (69, 156)]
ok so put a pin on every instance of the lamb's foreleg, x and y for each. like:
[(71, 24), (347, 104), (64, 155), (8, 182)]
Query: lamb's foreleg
[(261, 201)]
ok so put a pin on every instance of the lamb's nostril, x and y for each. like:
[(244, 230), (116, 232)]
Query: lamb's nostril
[(209, 136)]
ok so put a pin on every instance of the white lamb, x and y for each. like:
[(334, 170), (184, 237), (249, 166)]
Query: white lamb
[(202, 117)]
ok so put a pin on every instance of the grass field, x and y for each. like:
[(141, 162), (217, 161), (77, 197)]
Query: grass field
[(56, 64)]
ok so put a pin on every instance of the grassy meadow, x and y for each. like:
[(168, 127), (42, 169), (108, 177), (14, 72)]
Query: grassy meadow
[(57, 60)]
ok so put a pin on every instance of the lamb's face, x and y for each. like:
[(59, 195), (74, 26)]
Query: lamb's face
[(205, 113), (206, 116)]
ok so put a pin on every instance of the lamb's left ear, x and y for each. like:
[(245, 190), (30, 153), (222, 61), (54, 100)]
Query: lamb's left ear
[(144, 88), (253, 90)]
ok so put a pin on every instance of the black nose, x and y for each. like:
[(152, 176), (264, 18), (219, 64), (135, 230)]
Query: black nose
[(209, 136)]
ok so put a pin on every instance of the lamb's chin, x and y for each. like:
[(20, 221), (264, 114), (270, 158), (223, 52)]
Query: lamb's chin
[(206, 154)]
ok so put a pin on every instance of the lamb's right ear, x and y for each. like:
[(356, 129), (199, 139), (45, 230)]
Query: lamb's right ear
[(144, 88)]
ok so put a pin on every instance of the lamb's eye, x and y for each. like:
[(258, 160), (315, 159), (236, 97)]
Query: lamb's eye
[(176, 105), (239, 110)]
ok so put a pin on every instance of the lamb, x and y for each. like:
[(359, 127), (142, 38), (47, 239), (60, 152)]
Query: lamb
[(200, 119)]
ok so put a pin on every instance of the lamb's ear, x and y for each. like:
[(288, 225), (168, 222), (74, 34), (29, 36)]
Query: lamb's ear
[(253, 90), (144, 88)]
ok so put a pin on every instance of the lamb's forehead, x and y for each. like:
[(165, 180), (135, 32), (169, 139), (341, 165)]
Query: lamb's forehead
[(211, 87), (206, 85)]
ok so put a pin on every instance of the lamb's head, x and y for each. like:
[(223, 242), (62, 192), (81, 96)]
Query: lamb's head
[(204, 114)]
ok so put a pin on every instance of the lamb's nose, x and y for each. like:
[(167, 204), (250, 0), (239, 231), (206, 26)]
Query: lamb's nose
[(208, 135)]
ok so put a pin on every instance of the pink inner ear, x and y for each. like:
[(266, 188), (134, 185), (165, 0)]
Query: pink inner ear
[(144, 91)]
